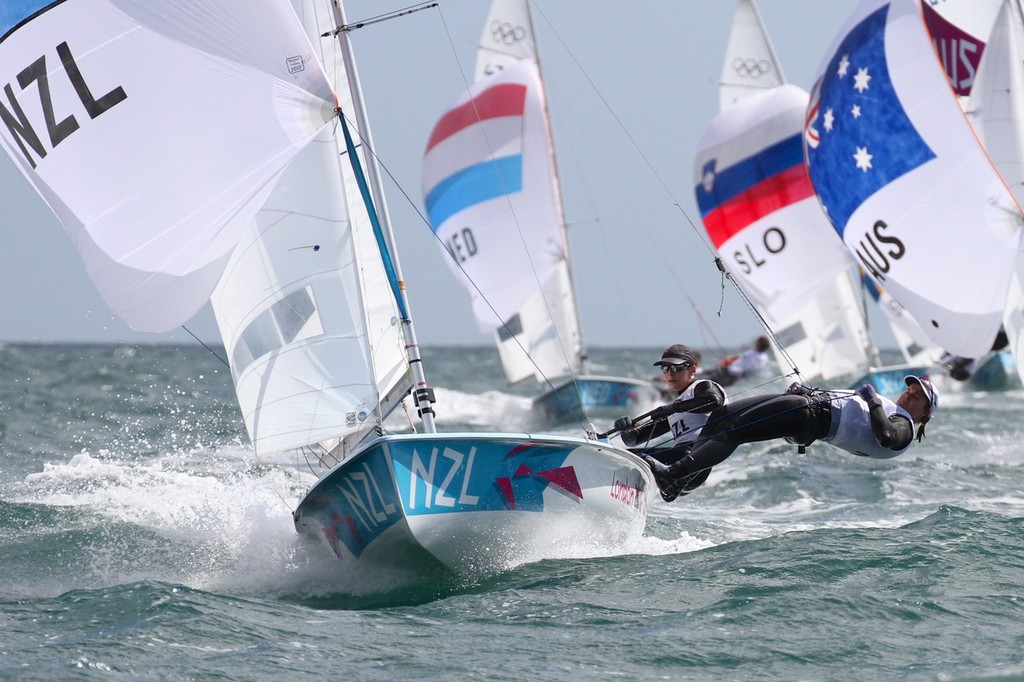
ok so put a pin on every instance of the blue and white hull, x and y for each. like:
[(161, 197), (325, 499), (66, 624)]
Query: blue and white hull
[(586, 398), (478, 502), (889, 380), (996, 371)]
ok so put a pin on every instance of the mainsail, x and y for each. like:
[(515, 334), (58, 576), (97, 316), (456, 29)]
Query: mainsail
[(904, 180), (155, 217)]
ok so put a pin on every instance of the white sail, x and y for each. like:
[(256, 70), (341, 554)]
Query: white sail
[(757, 203), (311, 353), (490, 195), (507, 38), (996, 110), (996, 103), (750, 63), (233, 89), (759, 210), (491, 189), (904, 180), (310, 312), (912, 341)]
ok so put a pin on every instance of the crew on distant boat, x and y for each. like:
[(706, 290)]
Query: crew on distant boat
[(863, 423), (735, 367), (684, 416), (961, 368)]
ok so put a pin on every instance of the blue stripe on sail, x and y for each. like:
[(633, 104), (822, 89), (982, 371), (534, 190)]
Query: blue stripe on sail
[(472, 185), (740, 177), (13, 12)]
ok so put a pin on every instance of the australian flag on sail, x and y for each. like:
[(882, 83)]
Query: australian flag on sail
[(858, 136)]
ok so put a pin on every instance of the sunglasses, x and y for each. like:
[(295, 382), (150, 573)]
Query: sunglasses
[(675, 369)]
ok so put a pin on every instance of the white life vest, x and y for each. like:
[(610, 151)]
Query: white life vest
[(854, 434), (686, 426)]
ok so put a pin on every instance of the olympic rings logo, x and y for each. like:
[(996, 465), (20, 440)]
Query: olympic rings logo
[(749, 67), (504, 32)]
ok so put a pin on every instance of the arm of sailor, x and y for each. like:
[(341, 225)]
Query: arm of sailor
[(645, 433), (894, 432), (707, 396)]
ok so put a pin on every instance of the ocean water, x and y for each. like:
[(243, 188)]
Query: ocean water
[(142, 539)]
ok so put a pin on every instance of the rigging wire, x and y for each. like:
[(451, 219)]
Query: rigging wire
[(668, 191)]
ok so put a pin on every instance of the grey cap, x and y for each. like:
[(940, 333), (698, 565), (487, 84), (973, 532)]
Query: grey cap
[(678, 354)]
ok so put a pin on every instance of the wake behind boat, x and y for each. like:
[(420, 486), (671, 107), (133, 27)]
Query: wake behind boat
[(286, 232)]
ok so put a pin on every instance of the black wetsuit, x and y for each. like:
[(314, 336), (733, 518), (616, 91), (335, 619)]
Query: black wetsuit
[(706, 397), (799, 417)]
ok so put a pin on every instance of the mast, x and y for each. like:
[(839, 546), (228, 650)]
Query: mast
[(423, 395), (582, 351)]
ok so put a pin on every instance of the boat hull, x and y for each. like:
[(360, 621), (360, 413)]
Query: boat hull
[(889, 380), (996, 371), (589, 398), (478, 503)]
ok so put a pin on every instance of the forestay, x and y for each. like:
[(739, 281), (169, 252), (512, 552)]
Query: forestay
[(234, 91), (904, 180)]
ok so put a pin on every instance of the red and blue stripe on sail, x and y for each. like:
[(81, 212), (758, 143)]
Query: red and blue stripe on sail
[(732, 198), (466, 183)]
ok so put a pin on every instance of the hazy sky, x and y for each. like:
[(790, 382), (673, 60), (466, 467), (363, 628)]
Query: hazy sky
[(639, 266)]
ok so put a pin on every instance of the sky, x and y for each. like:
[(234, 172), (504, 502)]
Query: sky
[(632, 86)]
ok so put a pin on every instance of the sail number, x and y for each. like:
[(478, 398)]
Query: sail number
[(773, 240), (878, 259), (439, 475), (20, 127), (461, 244)]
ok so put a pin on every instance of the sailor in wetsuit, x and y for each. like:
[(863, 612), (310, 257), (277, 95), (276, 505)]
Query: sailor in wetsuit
[(684, 417), (863, 423)]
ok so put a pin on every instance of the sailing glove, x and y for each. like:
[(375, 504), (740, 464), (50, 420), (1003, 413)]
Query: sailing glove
[(623, 424), (666, 410), (796, 388), (870, 396)]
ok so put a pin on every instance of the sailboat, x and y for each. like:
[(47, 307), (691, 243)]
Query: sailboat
[(759, 210), (961, 32), (491, 190), (934, 224), (994, 102), (227, 150)]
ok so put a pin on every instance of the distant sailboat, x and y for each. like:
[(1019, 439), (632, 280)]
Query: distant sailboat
[(490, 185), (904, 180), (226, 147), (760, 212)]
